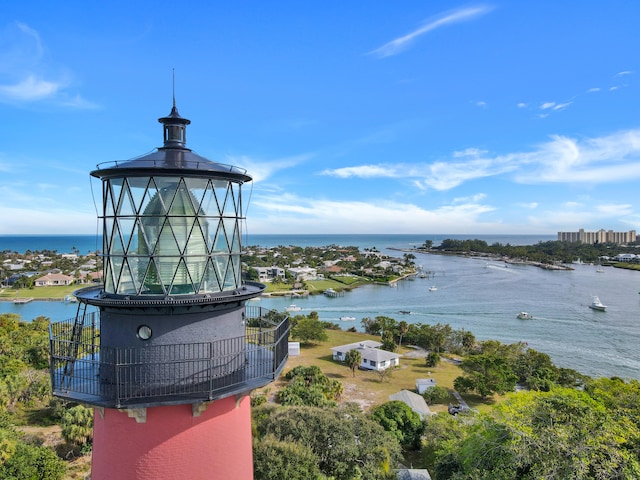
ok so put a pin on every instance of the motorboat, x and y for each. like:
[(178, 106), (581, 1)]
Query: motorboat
[(433, 288), (596, 304), (404, 312), (293, 308), (347, 319), (525, 316)]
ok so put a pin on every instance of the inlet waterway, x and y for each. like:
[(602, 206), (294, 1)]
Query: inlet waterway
[(485, 297)]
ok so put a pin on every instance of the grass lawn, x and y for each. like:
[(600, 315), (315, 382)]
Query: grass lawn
[(365, 388), (39, 293)]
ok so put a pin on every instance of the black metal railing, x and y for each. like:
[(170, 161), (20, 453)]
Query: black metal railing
[(83, 371)]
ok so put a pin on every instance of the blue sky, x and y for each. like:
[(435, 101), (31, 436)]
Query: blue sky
[(352, 117)]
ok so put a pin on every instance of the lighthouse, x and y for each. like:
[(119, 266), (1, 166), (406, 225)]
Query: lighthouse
[(167, 350)]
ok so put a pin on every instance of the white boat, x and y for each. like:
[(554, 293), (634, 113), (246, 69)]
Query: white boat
[(596, 304), (599, 270), (525, 316), (293, 308), (433, 288), (347, 319)]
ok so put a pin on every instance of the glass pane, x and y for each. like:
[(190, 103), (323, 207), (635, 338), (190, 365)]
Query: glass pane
[(125, 202), (209, 281), (152, 283)]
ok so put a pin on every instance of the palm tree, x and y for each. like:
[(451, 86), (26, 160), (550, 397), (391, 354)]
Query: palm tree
[(353, 359)]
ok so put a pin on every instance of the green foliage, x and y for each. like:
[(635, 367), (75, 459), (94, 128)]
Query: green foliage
[(397, 418), (555, 435), (77, 426), (485, 374), (276, 460), (309, 386), (29, 462), (346, 443), (388, 342), (309, 329), (432, 359), (353, 358), (436, 394)]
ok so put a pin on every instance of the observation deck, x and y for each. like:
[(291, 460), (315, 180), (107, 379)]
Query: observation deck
[(154, 375)]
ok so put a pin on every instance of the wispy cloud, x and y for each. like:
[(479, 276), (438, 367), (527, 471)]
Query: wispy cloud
[(27, 76), (594, 89), (401, 43), (606, 159), (623, 73), (294, 213), (262, 170)]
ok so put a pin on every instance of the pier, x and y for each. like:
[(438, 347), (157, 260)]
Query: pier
[(22, 300)]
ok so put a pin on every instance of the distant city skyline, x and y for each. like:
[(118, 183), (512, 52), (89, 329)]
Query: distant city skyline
[(442, 117)]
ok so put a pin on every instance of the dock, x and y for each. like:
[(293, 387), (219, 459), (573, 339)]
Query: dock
[(22, 300)]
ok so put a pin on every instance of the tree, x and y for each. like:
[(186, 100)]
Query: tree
[(403, 328), (274, 459), (309, 330), (30, 462), (388, 342), (435, 394), (553, 435), (397, 418), (353, 359), (77, 426), (309, 386), (485, 374), (432, 359), (347, 444)]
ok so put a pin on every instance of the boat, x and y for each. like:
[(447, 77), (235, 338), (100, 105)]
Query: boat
[(599, 270), (293, 308), (525, 316), (596, 304), (404, 312), (433, 288), (347, 319)]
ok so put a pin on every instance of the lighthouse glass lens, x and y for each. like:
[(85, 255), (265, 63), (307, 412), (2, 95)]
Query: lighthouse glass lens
[(144, 332)]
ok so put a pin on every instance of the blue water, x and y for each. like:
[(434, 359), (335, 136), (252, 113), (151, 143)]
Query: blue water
[(475, 295), (90, 243)]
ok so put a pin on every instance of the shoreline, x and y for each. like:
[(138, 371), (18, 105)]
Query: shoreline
[(482, 256)]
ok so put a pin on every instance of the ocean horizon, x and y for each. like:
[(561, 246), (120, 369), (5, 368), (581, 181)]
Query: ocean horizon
[(87, 243)]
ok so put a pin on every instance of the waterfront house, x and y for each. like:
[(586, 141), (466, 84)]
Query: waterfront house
[(414, 401), (302, 274), (53, 279), (268, 274), (372, 357)]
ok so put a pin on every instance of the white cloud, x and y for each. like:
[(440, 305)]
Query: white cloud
[(522, 105), (606, 159), (481, 104), (530, 205), (53, 221), (28, 76), (401, 43), (469, 152), (547, 105), (30, 88), (594, 89), (623, 73), (294, 214), (561, 106), (363, 171), (261, 170)]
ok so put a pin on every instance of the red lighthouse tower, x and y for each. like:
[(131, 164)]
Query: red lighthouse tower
[(167, 350)]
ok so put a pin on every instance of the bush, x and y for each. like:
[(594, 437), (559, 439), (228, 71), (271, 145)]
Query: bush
[(436, 394), (432, 359)]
